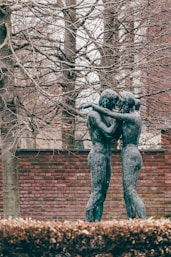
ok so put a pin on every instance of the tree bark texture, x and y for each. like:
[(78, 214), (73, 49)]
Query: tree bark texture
[(69, 76), (8, 118), (109, 53)]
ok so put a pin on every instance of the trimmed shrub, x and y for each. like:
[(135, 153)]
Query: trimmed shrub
[(117, 238)]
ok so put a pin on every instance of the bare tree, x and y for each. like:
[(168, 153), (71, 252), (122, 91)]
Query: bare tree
[(39, 82), (135, 56), (55, 44), (68, 66), (8, 117)]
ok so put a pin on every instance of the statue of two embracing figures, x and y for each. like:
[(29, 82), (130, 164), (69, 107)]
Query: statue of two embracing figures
[(126, 126)]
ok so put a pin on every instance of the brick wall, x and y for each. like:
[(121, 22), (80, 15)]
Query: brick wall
[(56, 185)]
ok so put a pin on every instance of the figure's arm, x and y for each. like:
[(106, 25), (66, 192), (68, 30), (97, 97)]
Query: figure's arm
[(113, 114), (85, 105), (110, 131), (117, 131), (100, 109)]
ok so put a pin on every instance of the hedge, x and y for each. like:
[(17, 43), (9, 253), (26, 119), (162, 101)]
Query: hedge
[(116, 238)]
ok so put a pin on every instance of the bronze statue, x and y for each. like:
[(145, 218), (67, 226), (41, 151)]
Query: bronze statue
[(101, 133), (131, 157)]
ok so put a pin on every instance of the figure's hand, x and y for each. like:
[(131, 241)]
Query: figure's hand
[(85, 105)]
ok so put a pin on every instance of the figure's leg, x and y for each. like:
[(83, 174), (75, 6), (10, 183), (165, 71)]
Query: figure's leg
[(140, 208), (138, 203), (130, 208), (92, 212), (134, 204), (105, 180), (108, 175), (129, 197), (94, 208)]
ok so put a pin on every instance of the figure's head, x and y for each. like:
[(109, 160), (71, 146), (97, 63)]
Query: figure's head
[(128, 101), (108, 99)]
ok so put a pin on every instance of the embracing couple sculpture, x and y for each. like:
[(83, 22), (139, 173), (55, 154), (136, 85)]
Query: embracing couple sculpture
[(127, 126)]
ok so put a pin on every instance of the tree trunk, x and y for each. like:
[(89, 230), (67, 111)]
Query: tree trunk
[(110, 51), (69, 76), (8, 119), (118, 44)]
